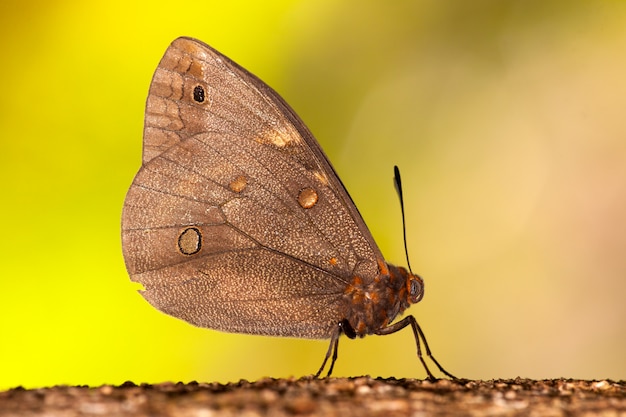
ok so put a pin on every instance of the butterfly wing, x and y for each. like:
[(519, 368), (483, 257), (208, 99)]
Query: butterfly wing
[(236, 220)]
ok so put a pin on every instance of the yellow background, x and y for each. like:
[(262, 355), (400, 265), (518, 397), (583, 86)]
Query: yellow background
[(507, 118)]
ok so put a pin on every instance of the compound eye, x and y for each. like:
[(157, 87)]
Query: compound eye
[(416, 290)]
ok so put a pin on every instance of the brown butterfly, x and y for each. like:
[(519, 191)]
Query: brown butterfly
[(236, 220)]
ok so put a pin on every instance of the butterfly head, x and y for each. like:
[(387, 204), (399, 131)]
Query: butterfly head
[(408, 285)]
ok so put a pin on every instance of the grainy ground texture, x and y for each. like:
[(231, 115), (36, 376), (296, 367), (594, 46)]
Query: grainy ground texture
[(362, 396)]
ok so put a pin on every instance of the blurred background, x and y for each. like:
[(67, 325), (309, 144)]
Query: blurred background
[(507, 119)]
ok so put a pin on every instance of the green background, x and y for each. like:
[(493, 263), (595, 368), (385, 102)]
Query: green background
[(507, 119)]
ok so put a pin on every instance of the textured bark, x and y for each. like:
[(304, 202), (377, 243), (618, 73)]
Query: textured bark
[(362, 396)]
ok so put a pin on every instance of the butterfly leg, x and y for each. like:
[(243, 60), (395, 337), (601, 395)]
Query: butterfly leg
[(342, 327), (417, 333), (332, 349)]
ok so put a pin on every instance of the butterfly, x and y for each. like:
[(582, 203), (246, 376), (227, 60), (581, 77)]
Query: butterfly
[(236, 220)]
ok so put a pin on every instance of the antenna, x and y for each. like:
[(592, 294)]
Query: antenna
[(397, 182)]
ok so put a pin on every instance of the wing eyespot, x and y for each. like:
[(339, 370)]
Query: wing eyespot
[(199, 94), (190, 241)]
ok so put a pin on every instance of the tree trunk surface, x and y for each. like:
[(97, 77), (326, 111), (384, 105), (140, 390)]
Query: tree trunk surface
[(360, 396)]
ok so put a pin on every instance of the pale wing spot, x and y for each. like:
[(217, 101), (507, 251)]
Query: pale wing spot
[(321, 177), (273, 137), (307, 198), (238, 184)]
